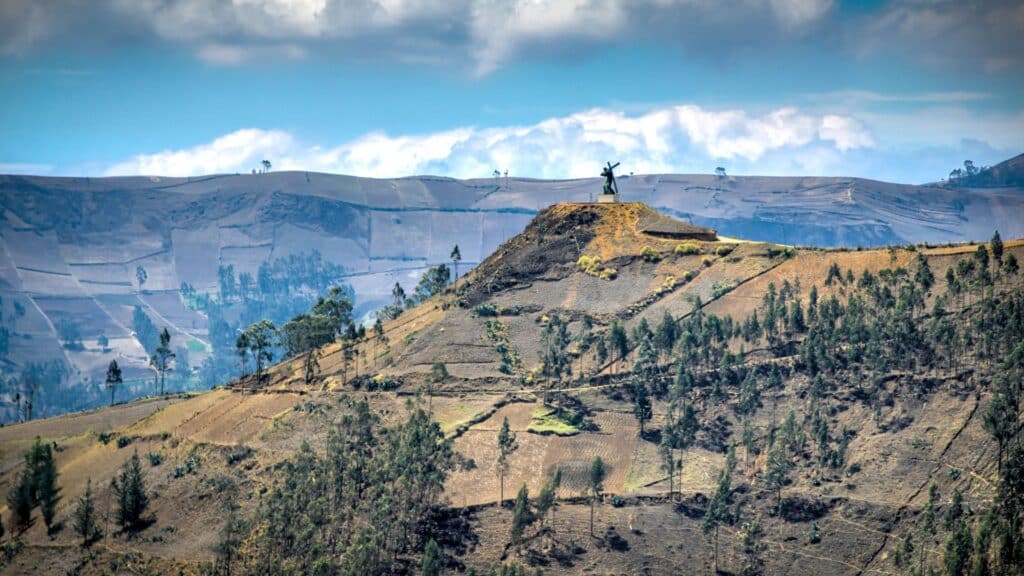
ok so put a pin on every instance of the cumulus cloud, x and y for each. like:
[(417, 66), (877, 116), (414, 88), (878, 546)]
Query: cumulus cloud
[(237, 151), (678, 138)]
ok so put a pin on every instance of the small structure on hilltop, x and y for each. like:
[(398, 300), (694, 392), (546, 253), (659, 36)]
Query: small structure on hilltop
[(611, 188)]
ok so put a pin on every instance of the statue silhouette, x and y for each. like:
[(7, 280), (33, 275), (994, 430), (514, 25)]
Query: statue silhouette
[(610, 186)]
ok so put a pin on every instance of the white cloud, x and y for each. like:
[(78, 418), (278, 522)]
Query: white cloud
[(799, 12), (678, 138), (238, 151), (489, 32)]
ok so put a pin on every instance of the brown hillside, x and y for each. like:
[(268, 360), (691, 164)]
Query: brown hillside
[(921, 424)]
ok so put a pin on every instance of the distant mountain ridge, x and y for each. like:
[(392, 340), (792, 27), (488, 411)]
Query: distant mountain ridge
[(71, 248)]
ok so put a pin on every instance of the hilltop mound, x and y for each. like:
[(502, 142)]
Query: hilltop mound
[(560, 234)]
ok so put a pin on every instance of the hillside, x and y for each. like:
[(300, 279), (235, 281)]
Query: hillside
[(862, 384), (74, 251)]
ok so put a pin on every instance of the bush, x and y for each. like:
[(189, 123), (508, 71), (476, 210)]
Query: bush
[(686, 248), (485, 310), (724, 250), (705, 261), (123, 441), (589, 264), (650, 254), (617, 501), (379, 382), (592, 265), (237, 454), (155, 458)]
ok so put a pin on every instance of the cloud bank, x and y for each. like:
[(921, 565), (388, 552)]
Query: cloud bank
[(678, 138), (977, 35)]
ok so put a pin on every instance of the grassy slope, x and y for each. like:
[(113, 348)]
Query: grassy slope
[(896, 467)]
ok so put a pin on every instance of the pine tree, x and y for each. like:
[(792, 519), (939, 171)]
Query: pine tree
[(717, 510), (47, 491), (132, 497), (753, 564), (456, 257), (114, 379), (545, 500), (776, 472), (958, 550), (432, 561), (996, 245), (522, 516), (162, 357), (618, 342), (19, 501), (641, 404), (506, 446), (85, 521), (665, 450)]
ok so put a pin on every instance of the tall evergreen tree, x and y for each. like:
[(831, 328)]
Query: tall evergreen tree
[(19, 501), (996, 245), (522, 516), (85, 521), (432, 561), (131, 493), (162, 357), (114, 379), (717, 511), (47, 491), (641, 404), (456, 257), (618, 342), (506, 446)]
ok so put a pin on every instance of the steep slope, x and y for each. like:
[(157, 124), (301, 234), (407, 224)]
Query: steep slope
[(895, 420)]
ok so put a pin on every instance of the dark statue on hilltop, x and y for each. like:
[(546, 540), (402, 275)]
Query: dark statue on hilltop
[(610, 187)]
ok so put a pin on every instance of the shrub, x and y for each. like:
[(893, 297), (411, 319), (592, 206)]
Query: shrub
[(706, 261), (379, 382), (689, 275), (724, 250), (592, 265), (650, 254), (686, 248), (668, 285), (485, 310), (237, 454), (589, 264), (155, 458), (123, 441)]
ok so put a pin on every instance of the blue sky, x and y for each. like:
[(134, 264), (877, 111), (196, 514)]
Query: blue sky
[(900, 90)]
